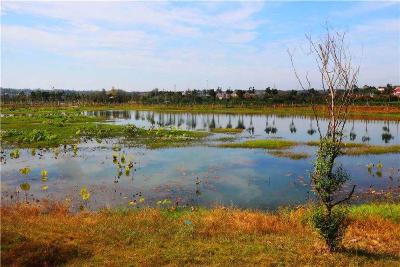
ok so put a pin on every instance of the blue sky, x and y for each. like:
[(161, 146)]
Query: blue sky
[(144, 45)]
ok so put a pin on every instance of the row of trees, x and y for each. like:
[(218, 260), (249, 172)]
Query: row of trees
[(211, 96)]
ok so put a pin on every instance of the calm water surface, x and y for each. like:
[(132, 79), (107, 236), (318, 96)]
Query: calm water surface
[(196, 175), (299, 128)]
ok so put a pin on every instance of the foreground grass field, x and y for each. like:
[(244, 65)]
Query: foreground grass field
[(49, 235)]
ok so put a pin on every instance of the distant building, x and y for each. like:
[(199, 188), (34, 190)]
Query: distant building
[(223, 95), (249, 95), (381, 89), (396, 91)]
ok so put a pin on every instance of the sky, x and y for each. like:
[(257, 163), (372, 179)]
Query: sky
[(139, 46)]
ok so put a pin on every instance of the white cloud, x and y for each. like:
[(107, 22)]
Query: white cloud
[(139, 45)]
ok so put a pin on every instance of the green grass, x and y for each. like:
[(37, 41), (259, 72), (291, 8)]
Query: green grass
[(370, 149), (226, 139), (226, 130), (52, 128), (344, 145), (383, 210), (355, 149), (267, 144), (289, 154)]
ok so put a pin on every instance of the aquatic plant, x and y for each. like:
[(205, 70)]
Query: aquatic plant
[(369, 166), (44, 187), (379, 166), (38, 135), (14, 153), (116, 147), (164, 202), (75, 149), (24, 171), (85, 194), (25, 186), (115, 158), (43, 173), (130, 165), (127, 170)]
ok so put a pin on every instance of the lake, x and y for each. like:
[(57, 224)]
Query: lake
[(202, 174)]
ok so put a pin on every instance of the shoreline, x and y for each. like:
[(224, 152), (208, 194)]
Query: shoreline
[(356, 111)]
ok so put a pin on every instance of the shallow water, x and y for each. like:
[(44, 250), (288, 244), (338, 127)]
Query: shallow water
[(298, 128), (198, 175)]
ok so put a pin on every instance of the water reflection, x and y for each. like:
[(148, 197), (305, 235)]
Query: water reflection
[(192, 175), (250, 129), (300, 128), (292, 127), (386, 135), (271, 129), (366, 138), (353, 135), (311, 129)]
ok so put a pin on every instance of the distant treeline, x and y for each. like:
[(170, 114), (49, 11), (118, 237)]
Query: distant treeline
[(365, 95)]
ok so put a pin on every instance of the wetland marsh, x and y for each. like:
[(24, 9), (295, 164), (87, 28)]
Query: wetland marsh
[(132, 158)]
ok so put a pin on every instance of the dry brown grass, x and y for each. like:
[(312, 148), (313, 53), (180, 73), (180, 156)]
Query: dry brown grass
[(49, 235)]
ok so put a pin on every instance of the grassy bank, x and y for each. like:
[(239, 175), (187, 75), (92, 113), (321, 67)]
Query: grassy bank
[(289, 154), (226, 130), (372, 150), (52, 128), (267, 144), (355, 111), (352, 149), (50, 235)]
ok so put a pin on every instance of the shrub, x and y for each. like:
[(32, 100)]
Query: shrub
[(331, 226)]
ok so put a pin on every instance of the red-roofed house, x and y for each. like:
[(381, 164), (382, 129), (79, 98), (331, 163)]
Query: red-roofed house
[(396, 91)]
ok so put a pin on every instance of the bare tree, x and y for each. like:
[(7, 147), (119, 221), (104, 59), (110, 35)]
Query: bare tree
[(338, 76)]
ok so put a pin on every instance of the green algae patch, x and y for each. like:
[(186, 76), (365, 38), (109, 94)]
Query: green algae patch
[(226, 130), (266, 144), (371, 150), (289, 154)]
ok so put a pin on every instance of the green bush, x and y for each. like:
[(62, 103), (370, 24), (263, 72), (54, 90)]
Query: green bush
[(331, 226)]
